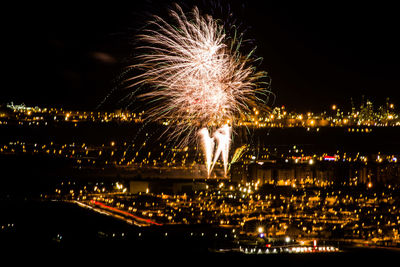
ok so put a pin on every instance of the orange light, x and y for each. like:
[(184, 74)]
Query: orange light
[(124, 212)]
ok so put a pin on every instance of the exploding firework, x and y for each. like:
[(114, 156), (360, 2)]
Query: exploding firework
[(194, 77)]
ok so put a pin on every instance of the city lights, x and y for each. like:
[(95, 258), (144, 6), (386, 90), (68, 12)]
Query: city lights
[(166, 138)]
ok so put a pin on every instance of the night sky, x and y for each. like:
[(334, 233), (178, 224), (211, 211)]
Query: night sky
[(69, 55)]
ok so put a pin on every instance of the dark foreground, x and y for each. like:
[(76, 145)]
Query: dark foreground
[(59, 232)]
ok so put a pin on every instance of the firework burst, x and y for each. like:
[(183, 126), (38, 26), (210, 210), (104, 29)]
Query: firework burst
[(193, 75)]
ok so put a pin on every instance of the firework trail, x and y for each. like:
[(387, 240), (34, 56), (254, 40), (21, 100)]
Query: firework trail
[(208, 148), (223, 136), (193, 76)]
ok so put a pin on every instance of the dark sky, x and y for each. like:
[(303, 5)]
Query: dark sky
[(70, 55)]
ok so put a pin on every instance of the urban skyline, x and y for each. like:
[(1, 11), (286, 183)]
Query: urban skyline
[(365, 114)]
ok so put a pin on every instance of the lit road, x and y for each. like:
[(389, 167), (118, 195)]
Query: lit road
[(117, 213)]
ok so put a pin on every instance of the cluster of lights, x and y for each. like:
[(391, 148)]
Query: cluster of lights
[(280, 117), (212, 205), (356, 121), (289, 250), (299, 156), (33, 116)]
